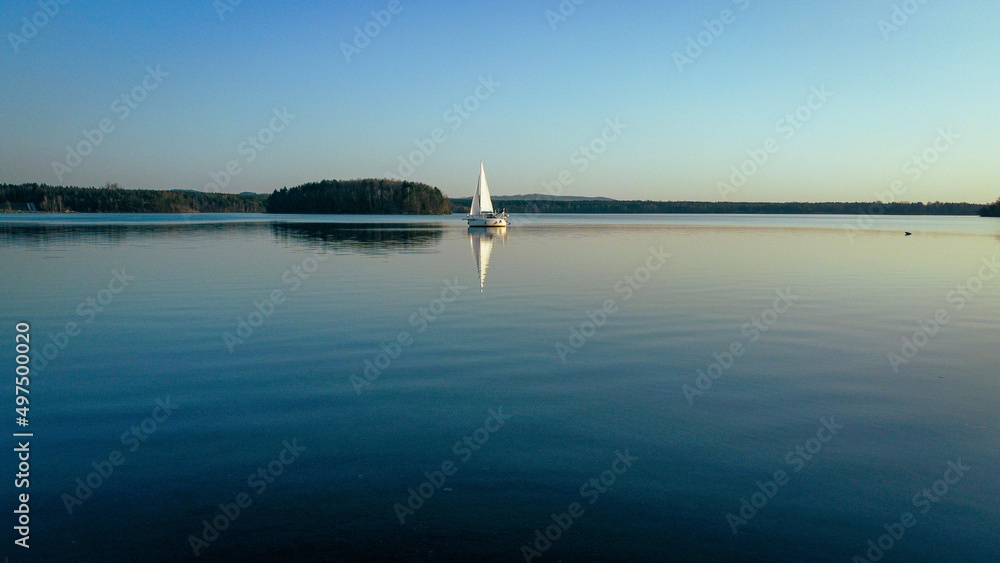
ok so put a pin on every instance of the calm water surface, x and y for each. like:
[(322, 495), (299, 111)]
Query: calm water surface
[(326, 369)]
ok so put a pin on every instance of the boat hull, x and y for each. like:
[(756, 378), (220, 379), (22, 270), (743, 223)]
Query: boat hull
[(487, 222)]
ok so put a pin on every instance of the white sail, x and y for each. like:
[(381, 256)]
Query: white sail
[(482, 203)]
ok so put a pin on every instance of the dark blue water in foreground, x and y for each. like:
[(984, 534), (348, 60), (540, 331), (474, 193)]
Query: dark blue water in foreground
[(324, 374)]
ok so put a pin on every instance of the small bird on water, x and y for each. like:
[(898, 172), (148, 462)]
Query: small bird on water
[(908, 233)]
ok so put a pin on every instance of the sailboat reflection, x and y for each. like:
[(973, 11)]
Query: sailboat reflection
[(481, 239)]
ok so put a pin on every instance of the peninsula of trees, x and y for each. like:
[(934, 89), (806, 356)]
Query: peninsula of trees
[(367, 196)]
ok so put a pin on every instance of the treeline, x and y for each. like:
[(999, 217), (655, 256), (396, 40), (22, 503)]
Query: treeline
[(992, 210), (843, 208), (111, 199), (384, 196), (367, 196)]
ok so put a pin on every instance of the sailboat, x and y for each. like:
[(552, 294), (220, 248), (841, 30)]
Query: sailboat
[(481, 213)]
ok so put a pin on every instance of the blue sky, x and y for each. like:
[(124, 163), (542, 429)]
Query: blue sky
[(546, 87)]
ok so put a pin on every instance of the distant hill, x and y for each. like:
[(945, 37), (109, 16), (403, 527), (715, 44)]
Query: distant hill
[(112, 199), (624, 206), (363, 196)]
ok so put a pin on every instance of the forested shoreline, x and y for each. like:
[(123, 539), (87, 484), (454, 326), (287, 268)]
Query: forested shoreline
[(369, 196), (112, 199), (384, 196)]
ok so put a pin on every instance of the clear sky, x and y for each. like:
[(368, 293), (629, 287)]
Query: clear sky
[(200, 80)]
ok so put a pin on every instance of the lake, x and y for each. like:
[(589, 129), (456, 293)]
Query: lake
[(577, 388)]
